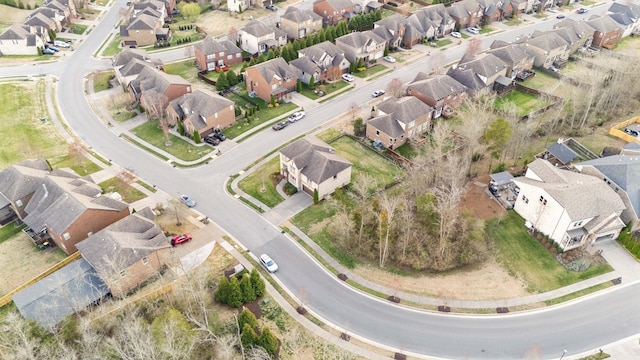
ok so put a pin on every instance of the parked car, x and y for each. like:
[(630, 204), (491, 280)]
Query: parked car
[(632, 132), (560, 16), (552, 10), (53, 48), (272, 7), (583, 10), (456, 34), (473, 30), (268, 263), (553, 68), (48, 52), (281, 125), (390, 59), (298, 115), (187, 201), (61, 44), (377, 93), (348, 77), (180, 239), (211, 139)]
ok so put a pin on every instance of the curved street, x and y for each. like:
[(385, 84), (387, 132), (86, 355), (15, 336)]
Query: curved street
[(577, 326)]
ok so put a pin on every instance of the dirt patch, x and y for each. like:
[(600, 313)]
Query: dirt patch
[(480, 203), (22, 261), (488, 282)]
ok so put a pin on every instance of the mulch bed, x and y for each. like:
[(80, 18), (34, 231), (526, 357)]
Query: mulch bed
[(254, 307), (502, 310)]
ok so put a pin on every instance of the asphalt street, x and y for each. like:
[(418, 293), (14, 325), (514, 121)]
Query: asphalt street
[(577, 326)]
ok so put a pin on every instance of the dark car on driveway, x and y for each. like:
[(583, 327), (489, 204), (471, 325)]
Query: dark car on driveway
[(218, 135), (272, 7), (281, 125), (212, 140)]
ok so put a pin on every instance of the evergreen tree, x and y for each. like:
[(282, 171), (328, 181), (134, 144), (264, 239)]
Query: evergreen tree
[(276, 52), (247, 317), (296, 46), (322, 37), (316, 199), (222, 292), (257, 282), (271, 55), (248, 337), (360, 63), (261, 58), (352, 67), (196, 137), (312, 82), (272, 101), (268, 341), (248, 295), (221, 82), (234, 298), (299, 86), (386, 51), (252, 61), (232, 78)]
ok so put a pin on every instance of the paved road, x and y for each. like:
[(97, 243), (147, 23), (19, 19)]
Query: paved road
[(578, 327)]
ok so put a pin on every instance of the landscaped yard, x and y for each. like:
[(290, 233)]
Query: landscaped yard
[(114, 46), (525, 103), (80, 164), (101, 81), (129, 193), (78, 29), (185, 69), (523, 256), (260, 186), (370, 71), (182, 149), (262, 116), (327, 88)]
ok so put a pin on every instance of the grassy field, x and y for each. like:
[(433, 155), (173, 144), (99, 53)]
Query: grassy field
[(151, 133), (525, 257), (9, 230), (129, 193), (370, 71), (185, 69), (525, 103), (264, 115), (113, 48), (328, 135), (101, 81), (260, 186), (328, 89), (365, 160), (80, 164)]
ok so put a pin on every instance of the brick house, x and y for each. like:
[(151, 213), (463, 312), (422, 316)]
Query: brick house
[(156, 83), (437, 91), (130, 62), (128, 252), (202, 111), (466, 13), (365, 45), (318, 61), (478, 74), (211, 53), (398, 120), (298, 23), (312, 165), (143, 30), (332, 11), (515, 56), (270, 78), (607, 31)]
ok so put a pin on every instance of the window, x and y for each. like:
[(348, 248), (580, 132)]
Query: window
[(66, 236), (122, 273), (543, 200), (221, 53), (377, 132), (524, 198), (145, 260), (335, 176), (19, 203)]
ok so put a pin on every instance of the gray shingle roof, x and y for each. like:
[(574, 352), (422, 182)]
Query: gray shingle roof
[(305, 65), (213, 46), (299, 16), (387, 124), (546, 40), (632, 11), (151, 79), (317, 53), (317, 160), (65, 292), (23, 178), (562, 152), (604, 24), (200, 104), (275, 67), (126, 55), (15, 32), (436, 87), (258, 29), (509, 53), (359, 39), (123, 243), (405, 109)]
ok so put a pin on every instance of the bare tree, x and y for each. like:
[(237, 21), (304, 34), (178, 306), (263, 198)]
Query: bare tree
[(388, 206), (395, 88), (354, 111), (232, 34), (438, 63), (333, 74), (155, 104)]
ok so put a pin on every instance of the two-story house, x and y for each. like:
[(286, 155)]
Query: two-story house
[(150, 7), (392, 29), (271, 78), (18, 183), (418, 27), (573, 209), (128, 64), (312, 165), (18, 40), (578, 34), (127, 252), (143, 30), (212, 53), (297, 23), (365, 45), (515, 56), (548, 48), (478, 73), (240, 5), (159, 86), (332, 11), (466, 13), (202, 111), (324, 61), (435, 16), (607, 31), (399, 120), (627, 15), (437, 91), (257, 37)]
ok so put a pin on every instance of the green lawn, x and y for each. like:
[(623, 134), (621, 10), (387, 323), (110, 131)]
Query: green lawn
[(370, 71), (444, 42), (9, 230), (260, 186), (525, 257), (78, 29), (328, 89), (185, 69), (101, 81), (407, 150), (80, 164), (365, 160), (114, 46), (262, 116), (328, 135), (129, 193), (525, 103), (151, 133)]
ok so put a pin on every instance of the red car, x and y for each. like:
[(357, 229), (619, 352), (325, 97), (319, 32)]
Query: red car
[(180, 239)]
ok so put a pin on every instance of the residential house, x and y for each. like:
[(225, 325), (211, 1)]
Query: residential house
[(365, 46), (143, 30), (392, 30), (478, 74), (399, 120), (313, 166), (417, 29), (324, 61), (212, 53), (70, 208), (607, 31), (158, 87), (71, 289), (578, 34), (548, 48), (621, 173), (515, 56), (628, 16), (40, 22), (573, 209), (563, 152), (495, 10), (128, 252), (202, 111), (271, 78), (128, 64), (66, 7), (257, 37), (527, 6), (18, 40), (299, 23), (332, 11), (440, 92), (239, 5), (153, 8), (433, 16), (466, 13), (18, 183)]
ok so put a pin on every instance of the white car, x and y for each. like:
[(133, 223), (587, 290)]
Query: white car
[(298, 115), (473, 30), (348, 77), (390, 59), (268, 263), (377, 93), (456, 34)]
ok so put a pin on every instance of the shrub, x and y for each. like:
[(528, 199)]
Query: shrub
[(257, 283), (248, 295), (289, 189), (196, 137), (268, 341), (361, 69), (222, 293), (247, 317), (234, 297), (316, 200), (248, 337)]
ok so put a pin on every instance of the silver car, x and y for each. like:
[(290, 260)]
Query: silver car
[(268, 263)]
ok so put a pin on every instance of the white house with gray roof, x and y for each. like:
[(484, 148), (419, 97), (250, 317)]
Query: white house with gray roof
[(18, 40), (312, 165), (256, 37), (573, 209), (627, 15), (622, 174)]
